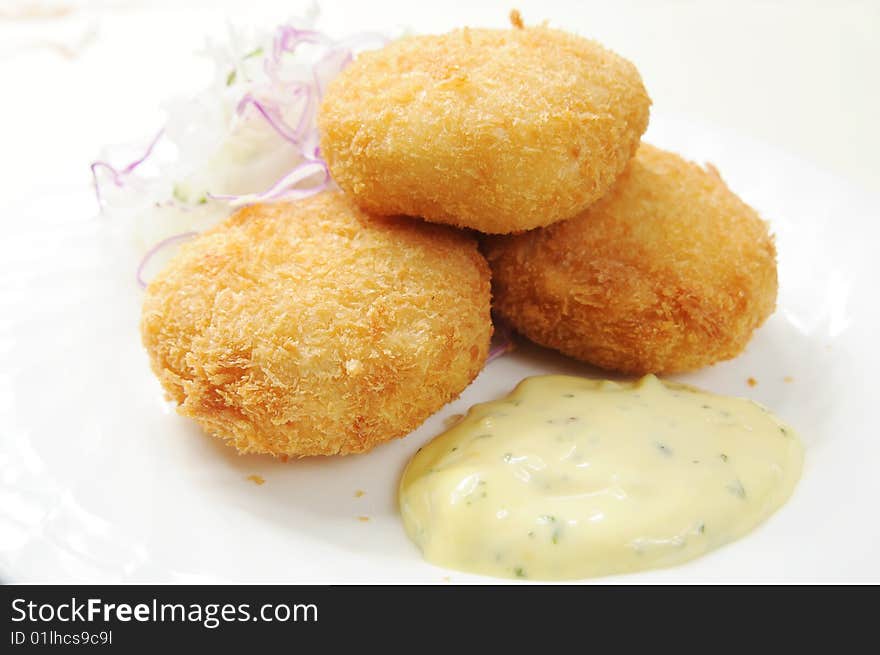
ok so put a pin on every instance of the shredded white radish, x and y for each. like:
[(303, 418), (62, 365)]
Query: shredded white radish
[(250, 136)]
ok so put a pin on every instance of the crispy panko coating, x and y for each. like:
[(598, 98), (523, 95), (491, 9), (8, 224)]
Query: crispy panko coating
[(311, 328), (669, 272), (496, 130)]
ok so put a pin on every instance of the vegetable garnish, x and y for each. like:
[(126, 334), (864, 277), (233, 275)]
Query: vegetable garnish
[(272, 114), (118, 176), (164, 243), (250, 137), (502, 340), (282, 189)]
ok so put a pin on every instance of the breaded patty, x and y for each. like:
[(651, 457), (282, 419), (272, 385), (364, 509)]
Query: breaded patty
[(496, 130), (669, 272), (311, 328)]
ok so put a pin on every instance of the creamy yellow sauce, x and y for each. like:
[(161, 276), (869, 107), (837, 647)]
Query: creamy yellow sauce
[(571, 478)]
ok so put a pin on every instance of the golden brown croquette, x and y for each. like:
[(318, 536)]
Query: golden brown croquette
[(496, 130), (311, 328), (669, 272)]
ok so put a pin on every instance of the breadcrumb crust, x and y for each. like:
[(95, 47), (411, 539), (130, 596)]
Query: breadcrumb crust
[(311, 328), (496, 130), (669, 272)]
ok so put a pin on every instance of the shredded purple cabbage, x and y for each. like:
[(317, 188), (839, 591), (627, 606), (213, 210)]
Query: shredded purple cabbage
[(118, 175), (164, 243), (272, 114), (308, 177), (281, 190), (502, 340), (288, 38), (303, 135)]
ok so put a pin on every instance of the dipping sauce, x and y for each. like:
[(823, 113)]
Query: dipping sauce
[(571, 478)]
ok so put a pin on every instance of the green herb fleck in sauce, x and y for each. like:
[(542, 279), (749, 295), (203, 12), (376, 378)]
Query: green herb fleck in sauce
[(737, 489)]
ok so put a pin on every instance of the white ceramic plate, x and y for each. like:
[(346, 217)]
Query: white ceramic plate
[(100, 481)]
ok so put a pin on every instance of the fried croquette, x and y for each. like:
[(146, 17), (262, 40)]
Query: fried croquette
[(669, 272), (311, 328), (496, 130)]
